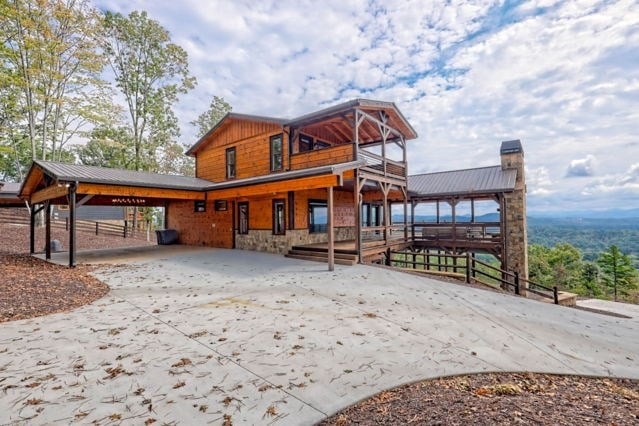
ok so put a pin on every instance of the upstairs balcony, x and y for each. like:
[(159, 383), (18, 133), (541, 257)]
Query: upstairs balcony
[(342, 153)]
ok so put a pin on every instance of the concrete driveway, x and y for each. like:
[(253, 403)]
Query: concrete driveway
[(196, 336)]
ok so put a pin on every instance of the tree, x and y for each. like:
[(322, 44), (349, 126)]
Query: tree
[(208, 119), (618, 272), (108, 147), (150, 72), (50, 53)]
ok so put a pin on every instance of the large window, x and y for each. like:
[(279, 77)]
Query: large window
[(317, 216), (276, 153), (243, 218), (279, 224), (230, 163)]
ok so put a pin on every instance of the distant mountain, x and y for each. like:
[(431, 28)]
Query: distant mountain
[(590, 214)]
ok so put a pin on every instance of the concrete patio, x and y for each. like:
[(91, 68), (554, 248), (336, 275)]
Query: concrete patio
[(190, 335)]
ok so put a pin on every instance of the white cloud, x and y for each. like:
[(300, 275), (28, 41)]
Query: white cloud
[(582, 167), (561, 76)]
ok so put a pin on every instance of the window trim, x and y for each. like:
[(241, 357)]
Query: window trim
[(239, 217), (276, 202), (227, 164), (279, 136)]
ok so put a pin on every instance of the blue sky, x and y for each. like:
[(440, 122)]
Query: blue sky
[(562, 76)]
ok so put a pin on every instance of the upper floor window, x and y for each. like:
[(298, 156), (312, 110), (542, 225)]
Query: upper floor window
[(230, 163), (277, 160), (306, 143)]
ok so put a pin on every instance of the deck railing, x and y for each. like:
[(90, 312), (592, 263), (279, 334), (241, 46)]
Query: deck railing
[(459, 232), (382, 166)]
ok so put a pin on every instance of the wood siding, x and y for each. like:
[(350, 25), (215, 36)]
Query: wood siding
[(252, 143), (322, 157)]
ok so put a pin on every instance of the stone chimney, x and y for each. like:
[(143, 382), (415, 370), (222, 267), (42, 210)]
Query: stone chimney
[(516, 253)]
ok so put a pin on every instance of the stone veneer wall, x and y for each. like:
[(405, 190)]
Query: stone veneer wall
[(264, 240), (516, 224)]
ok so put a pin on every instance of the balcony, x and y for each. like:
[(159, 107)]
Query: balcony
[(378, 165), (322, 157)]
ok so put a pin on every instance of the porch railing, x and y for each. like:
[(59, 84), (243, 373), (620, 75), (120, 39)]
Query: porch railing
[(382, 166)]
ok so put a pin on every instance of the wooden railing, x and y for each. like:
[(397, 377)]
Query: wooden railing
[(472, 269), (382, 166), (322, 157), (461, 231), (90, 226), (382, 233)]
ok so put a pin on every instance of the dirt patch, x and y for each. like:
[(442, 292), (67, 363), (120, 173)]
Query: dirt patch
[(31, 287), (500, 399)]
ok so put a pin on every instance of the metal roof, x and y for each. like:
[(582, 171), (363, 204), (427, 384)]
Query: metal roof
[(293, 174), (64, 172), (9, 188), (509, 147), (484, 180)]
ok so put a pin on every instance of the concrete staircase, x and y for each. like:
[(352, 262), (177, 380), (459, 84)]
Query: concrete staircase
[(315, 254)]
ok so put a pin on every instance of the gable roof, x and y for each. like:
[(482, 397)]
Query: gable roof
[(396, 117), (234, 116), (64, 172), (483, 180)]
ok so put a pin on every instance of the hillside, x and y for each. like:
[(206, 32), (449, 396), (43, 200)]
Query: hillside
[(591, 235)]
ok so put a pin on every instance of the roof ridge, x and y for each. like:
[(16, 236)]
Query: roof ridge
[(456, 170)]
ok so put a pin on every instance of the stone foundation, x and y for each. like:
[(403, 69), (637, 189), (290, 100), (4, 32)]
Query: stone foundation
[(264, 240)]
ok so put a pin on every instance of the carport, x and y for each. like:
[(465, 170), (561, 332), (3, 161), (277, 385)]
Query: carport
[(50, 183)]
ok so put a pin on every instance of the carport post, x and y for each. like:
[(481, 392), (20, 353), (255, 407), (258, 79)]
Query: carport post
[(32, 230), (47, 229), (331, 237), (72, 190)]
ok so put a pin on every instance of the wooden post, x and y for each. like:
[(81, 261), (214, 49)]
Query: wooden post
[(72, 224), (331, 237), (47, 230), (126, 224), (96, 228), (32, 230), (468, 266)]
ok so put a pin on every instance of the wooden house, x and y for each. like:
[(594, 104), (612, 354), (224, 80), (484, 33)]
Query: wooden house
[(319, 186), (280, 184)]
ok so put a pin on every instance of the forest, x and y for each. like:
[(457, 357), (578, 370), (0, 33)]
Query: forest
[(88, 86)]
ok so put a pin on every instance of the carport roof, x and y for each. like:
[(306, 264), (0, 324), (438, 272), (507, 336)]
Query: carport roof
[(63, 172), (483, 180)]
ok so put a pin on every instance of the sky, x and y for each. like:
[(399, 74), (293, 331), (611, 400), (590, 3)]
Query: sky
[(561, 76)]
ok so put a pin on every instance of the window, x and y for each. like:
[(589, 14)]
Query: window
[(317, 216), (220, 205), (320, 145), (243, 218), (199, 206), (306, 143), (276, 153), (230, 163), (279, 225)]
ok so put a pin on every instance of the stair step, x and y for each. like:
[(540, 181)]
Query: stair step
[(321, 259)]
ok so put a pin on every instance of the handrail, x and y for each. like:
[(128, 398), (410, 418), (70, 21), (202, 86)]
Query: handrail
[(472, 270)]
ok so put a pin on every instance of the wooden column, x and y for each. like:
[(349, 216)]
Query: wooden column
[(358, 218), (331, 236), (32, 230), (47, 230), (72, 205)]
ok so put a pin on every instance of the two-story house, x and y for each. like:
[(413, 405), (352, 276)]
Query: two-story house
[(273, 179)]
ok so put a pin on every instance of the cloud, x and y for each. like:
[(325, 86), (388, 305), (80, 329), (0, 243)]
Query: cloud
[(626, 183), (560, 76), (582, 167)]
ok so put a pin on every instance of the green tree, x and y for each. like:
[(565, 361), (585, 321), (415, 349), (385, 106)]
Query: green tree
[(208, 119), (50, 54), (618, 272), (150, 72), (107, 147)]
